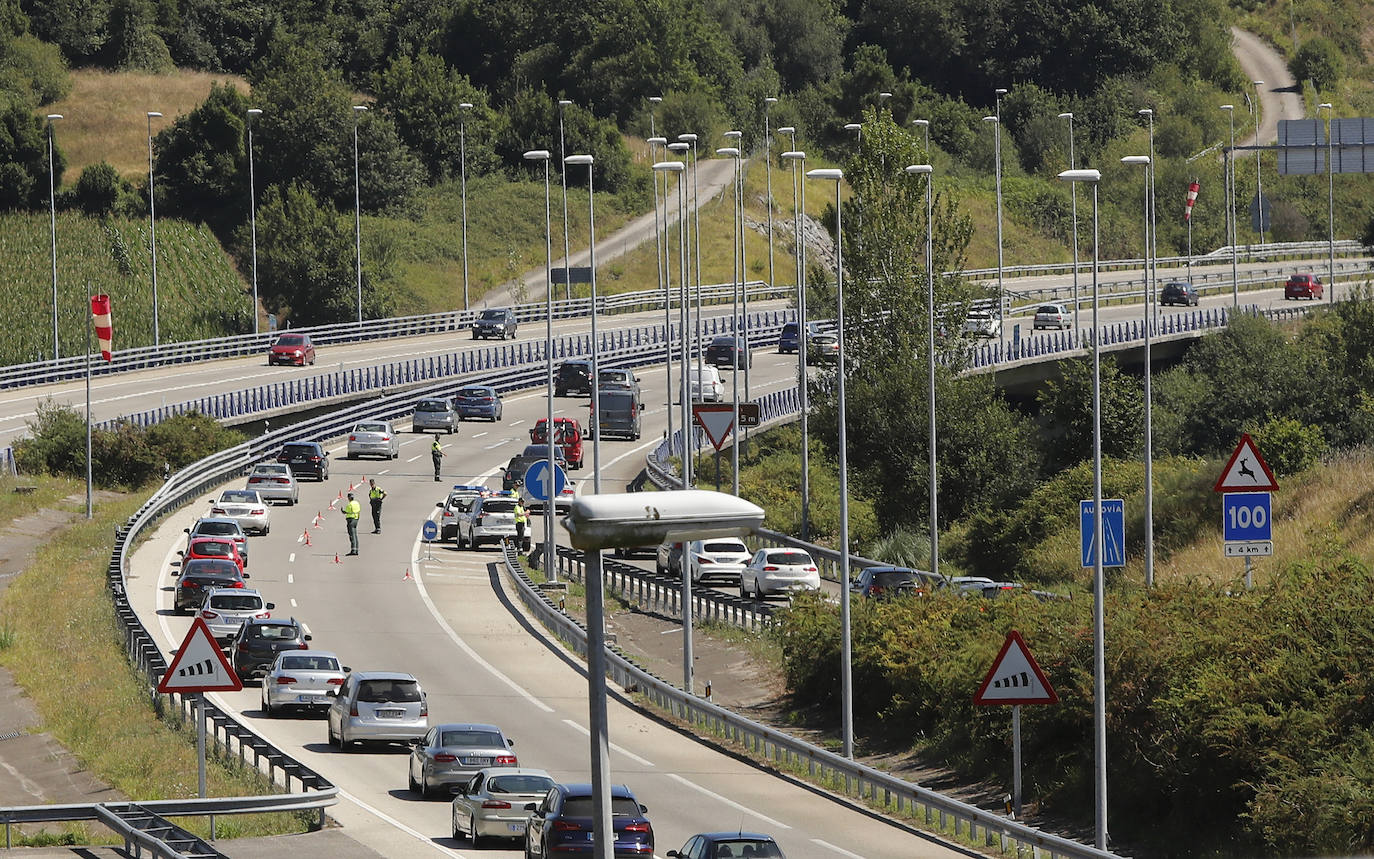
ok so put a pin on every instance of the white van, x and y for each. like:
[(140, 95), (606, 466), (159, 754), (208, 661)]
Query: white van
[(706, 384)]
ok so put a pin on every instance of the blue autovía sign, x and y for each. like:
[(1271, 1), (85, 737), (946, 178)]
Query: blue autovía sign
[(1245, 516), (1113, 532)]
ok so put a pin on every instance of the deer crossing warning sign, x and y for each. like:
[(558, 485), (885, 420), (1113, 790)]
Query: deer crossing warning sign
[(1015, 678)]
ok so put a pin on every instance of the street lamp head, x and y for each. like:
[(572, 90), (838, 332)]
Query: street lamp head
[(853, 126), (1228, 107), (658, 141), (255, 111), (359, 108), (576, 160), (466, 105), (728, 151), (733, 135), (1257, 83), (679, 147), (921, 123), (833, 173), (669, 167), (769, 101), (1324, 106), (1136, 159), (1081, 175), (1066, 115), (1145, 111), (655, 99), (994, 120), (1000, 91), (53, 116), (918, 169), (793, 155), (154, 113), (884, 96), (563, 102), (537, 155), (689, 137), (637, 519), (787, 129)]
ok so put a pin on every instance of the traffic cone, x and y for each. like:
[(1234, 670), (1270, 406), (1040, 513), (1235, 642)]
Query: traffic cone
[(336, 558), (319, 517), (407, 577), (307, 538), (340, 498)]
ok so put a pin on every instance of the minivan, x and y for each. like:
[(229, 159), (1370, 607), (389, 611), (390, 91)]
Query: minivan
[(378, 706), (617, 415)]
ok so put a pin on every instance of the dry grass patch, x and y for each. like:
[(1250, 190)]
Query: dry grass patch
[(16, 501), (105, 116)]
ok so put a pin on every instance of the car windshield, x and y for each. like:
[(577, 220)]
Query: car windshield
[(894, 578), (790, 558), (291, 340), (737, 847), (583, 806), (493, 314), (472, 739), (431, 406), (239, 496), (370, 428), (519, 784), (499, 505), (276, 631), (217, 529), (309, 663), (236, 602), (389, 692)]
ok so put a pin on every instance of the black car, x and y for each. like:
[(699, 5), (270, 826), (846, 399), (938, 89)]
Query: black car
[(561, 823), (306, 458), (888, 582), (728, 350), (199, 575), (498, 322), (573, 377), (259, 641), (514, 475), (1179, 292)]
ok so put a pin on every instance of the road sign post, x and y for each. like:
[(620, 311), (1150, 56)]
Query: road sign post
[(1246, 505), (199, 666), (1113, 528), (1015, 679), (430, 531)]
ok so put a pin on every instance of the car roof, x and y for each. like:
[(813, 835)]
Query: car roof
[(274, 467), (491, 771), (477, 388), (303, 444), (273, 621), (575, 361), (328, 653), (235, 591), (201, 539), (735, 834), (216, 520), (584, 788), (384, 675), (468, 726)]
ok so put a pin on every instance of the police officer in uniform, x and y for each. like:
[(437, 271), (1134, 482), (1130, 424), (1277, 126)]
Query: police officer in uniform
[(437, 453), (375, 495), (521, 520), (351, 511)]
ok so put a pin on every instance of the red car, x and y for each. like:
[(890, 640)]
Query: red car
[(292, 349), (1303, 286), (567, 434), (198, 548)]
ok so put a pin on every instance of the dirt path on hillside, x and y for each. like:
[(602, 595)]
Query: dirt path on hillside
[(1279, 96)]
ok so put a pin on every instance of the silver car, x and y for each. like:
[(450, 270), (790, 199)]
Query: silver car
[(220, 526), (274, 482), (225, 610), (378, 706), (779, 570), (450, 755), (373, 438), (301, 679), (492, 803), (488, 520), (434, 413), (246, 507)]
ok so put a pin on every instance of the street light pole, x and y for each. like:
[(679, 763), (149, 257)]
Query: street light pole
[(152, 225), (1073, 195), (1152, 240), (575, 161), (768, 171), (357, 212), (52, 211), (996, 121), (661, 264), (733, 152), (550, 550), (684, 312), (846, 672), (1330, 205), (739, 327), (1093, 177), (929, 173), (1259, 186), (696, 226), (1230, 172), (924, 125), (798, 160), (567, 264), (1148, 163), (463, 181), (253, 113)]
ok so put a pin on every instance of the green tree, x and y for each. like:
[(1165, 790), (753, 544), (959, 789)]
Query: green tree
[(133, 43), (202, 162), (422, 97), (32, 71), (78, 27), (24, 158), (1289, 446), (1066, 412), (1318, 61), (100, 188)]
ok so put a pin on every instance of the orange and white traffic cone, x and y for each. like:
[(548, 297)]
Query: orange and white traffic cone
[(340, 498), (319, 517), (336, 558), (407, 577), (307, 538)]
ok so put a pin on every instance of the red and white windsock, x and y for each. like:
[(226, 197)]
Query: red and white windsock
[(1192, 198), (104, 331)]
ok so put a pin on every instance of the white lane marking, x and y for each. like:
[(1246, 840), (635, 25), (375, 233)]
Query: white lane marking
[(631, 755), (383, 471), (479, 434), (427, 840), (498, 444), (463, 645), (291, 577), (840, 850), (413, 458), (517, 423), (293, 602), (730, 802)]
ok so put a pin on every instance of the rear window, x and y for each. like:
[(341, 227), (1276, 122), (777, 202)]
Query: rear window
[(213, 547), (736, 848), (582, 806), (242, 496), (271, 469), (275, 632), (499, 506), (894, 578), (474, 393), (216, 529), (725, 546), (310, 663), (370, 428), (236, 602), (1048, 308), (471, 739), (299, 449), (431, 406), (616, 402), (791, 558), (389, 692), (519, 784), (210, 567)]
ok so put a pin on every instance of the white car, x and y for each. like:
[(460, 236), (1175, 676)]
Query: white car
[(561, 504), (488, 520), (246, 507), (274, 482), (706, 386), (225, 610), (373, 438), (983, 325), (720, 558), (1054, 316), (779, 570), (302, 679), (460, 498), (491, 804)]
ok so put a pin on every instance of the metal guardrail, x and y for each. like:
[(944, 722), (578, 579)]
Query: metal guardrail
[(1247, 253), (857, 783)]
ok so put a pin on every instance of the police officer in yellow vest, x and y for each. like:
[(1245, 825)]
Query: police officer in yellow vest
[(351, 511), (522, 518), (375, 495), (436, 453)]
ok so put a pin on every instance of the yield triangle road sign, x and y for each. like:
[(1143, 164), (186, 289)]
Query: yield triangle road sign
[(1246, 470), (199, 665), (1015, 678), (717, 420)]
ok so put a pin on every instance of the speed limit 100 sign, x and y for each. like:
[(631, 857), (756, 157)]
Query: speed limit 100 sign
[(1245, 516)]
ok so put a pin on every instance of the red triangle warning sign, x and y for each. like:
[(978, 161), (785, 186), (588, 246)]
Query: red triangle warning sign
[(199, 665), (1015, 678), (1246, 470), (717, 419)]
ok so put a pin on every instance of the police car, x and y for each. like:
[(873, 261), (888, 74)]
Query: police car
[(460, 498)]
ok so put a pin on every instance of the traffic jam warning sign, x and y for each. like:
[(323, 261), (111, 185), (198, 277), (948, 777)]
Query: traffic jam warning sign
[(1015, 678), (199, 665), (1246, 470)]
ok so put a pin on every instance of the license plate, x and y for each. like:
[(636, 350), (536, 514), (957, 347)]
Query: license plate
[(305, 699), (477, 762), (390, 714), (517, 828)]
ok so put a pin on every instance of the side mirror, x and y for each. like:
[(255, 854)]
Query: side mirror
[(644, 809), (530, 806), (510, 743), (271, 606), (308, 637), (332, 693), (347, 670), (181, 553), (185, 530), (246, 575), (439, 504)]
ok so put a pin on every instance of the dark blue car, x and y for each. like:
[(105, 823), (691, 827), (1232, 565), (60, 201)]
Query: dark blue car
[(788, 341), (560, 824), (478, 401), (728, 845)]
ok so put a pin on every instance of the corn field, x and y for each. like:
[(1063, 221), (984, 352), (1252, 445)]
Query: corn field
[(200, 293)]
